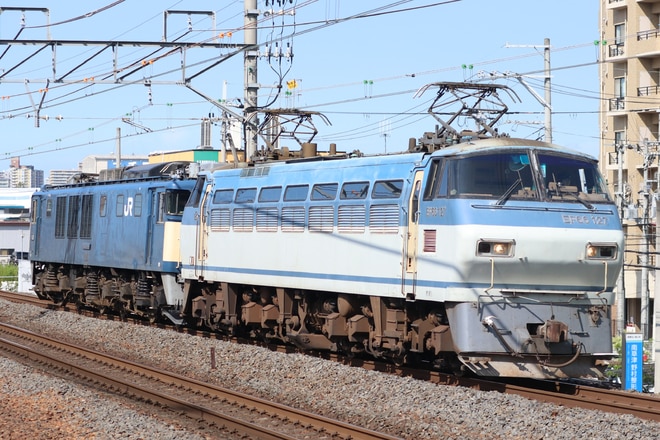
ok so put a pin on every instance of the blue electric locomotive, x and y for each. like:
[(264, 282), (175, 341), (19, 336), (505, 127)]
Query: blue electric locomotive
[(497, 255), (471, 251), (112, 245)]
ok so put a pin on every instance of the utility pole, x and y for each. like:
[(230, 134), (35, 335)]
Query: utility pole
[(548, 95), (547, 101), (118, 153), (620, 299), (644, 260), (250, 78)]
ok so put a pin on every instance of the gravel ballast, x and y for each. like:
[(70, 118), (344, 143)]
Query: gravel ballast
[(399, 406)]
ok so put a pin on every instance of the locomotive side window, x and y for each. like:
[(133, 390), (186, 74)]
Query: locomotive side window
[(33, 211), (324, 191), (119, 211), (49, 207), (103, 203), (387, 189), (246, 195), (86, 216), (296, 193), (354, 190), (60, 217), (196, 196), (270, 194), (431, 189), (223, 196), (74, 208), (137, 205)]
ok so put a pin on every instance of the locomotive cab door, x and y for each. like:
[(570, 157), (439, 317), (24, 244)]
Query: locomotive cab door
[(35, 226), (202, 232), (409, 281)]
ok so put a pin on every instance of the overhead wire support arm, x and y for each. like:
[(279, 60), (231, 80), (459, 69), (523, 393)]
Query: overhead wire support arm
[(115, 46)]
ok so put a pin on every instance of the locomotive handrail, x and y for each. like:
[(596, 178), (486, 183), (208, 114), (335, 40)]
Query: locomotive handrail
[(605, 281)]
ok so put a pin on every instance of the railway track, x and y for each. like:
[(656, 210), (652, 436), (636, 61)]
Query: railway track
[(561, 393), (231, 411)]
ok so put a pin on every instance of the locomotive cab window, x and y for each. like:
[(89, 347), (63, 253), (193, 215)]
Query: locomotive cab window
[(500, 176), (572, 179), (175, 201), (171, 203)]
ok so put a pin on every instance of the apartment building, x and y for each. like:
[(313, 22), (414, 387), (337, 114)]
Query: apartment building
[(630, 142)]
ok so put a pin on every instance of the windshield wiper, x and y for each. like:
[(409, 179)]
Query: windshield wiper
[(507, 194), (577, 197)]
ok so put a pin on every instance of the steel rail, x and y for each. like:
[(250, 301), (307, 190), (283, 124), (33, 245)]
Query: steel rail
[(292, 415)]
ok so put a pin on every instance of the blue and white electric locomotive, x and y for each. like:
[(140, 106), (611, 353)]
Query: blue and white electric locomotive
[(494, 255), (112, 245)]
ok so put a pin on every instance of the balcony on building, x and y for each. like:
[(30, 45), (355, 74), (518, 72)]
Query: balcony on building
[(616, 49), (613, 4), (617, 104), (647, 43)]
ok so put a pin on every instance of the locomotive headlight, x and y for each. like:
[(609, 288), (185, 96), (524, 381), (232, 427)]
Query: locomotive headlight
[(601, 251), (495, 248)]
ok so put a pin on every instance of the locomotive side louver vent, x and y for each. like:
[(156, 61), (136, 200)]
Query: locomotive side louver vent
[(267, 219), (321, 218), (220, 220), (243, 219), (351, 218), (384, 219), (429, 240), (293, 219)]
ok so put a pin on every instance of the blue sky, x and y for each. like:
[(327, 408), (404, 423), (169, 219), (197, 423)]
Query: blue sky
[(361, 73)]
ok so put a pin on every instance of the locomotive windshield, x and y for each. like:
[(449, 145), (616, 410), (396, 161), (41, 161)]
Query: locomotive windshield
[(518, 176), (567, 177)]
